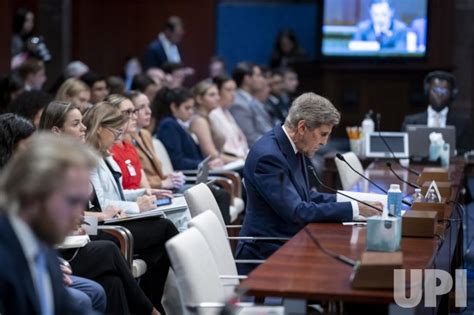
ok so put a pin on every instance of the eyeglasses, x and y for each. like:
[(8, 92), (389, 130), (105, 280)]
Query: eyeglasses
[(130, 112), (116, 132)]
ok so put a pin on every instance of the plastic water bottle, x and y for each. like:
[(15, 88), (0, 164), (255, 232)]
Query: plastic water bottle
[(418, 196), (432, 196), (394, 200), (368, 126)]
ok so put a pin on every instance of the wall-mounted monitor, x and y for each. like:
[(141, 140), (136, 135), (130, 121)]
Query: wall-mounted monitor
[(375, 28)]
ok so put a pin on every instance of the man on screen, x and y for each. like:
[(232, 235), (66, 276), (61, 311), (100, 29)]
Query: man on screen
[(382, 27), (279, 199)]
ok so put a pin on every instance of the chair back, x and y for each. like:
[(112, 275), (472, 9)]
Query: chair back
[(195, 269), (199, 199), (348, 177), (208, 224), (163, 155)]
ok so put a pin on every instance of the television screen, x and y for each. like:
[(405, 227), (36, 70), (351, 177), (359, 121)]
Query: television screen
[(374, 28)]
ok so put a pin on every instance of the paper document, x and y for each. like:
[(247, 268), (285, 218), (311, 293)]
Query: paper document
[(371, 197), (177, 203), (74, 241), (232, 166)]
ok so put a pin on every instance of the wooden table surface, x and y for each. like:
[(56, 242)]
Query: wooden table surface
[(300, 270)]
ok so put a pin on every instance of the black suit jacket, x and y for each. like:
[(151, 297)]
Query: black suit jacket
[(155, 55), (460, 121), (17, 291)]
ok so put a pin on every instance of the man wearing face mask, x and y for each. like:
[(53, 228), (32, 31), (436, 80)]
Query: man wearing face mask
[(441, 90)]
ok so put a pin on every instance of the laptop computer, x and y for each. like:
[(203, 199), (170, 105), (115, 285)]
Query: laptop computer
[(379, 145), (420, 139), (202, 174)]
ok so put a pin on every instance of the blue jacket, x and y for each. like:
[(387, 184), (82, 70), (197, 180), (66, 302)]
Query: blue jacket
[(155, 55), (183, 151), (17, 291), (279, 201)]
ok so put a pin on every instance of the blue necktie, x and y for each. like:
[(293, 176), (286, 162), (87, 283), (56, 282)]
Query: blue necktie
[(41, 274)]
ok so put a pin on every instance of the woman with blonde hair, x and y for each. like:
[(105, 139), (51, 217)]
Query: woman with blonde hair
[(76, 92), (211, 141), (106, 125)]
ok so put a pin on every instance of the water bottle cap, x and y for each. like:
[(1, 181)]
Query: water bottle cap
[(394, 187)]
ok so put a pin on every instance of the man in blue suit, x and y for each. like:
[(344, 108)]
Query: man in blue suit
[(279, 200), (43, 191)]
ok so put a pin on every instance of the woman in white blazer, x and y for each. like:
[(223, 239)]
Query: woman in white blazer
[(105, 124)]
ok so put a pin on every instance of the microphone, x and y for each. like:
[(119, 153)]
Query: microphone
[(344, 259), (390, 149), (399, 178), (342, 158), (342, 194)]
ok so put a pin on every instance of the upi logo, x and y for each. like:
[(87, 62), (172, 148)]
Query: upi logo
[(435, 282)]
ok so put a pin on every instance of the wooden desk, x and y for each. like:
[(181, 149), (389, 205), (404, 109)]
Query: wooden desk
[(300, 270)]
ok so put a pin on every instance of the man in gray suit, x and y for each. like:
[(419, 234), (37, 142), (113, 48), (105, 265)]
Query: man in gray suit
[(248, 112)]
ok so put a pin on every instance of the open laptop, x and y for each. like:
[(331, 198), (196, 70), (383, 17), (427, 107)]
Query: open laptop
[(202, 175), (419, 136), (379, 145)]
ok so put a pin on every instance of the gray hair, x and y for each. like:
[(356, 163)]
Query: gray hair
[(314, 109), (35, 173)]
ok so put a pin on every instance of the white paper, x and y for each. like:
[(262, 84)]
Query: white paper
[(232, 166), (74, 241), (371, 197), (91, 227), (435, 187)]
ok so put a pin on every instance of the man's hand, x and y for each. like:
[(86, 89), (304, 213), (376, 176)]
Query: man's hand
[(368, 211)]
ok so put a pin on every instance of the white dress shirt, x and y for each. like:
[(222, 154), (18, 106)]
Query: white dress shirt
[(171, 50), (30, 246), (437, 119), (355, 206)]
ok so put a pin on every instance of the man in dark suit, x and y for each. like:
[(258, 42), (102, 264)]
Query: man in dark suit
[(165, 47), (441, 89), (279, 200), (382, 27), (43, 192)]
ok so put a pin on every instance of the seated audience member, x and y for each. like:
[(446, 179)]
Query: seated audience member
[(38, 213), (382, 26), (33, 74), (158, 76), (75, 69), (216, 67), (441, 89), (143, 142), (248, 112), (290, 85), (211, 141), (277, 101), (165, 47), (76, 92), (97, 85), (30, 105), (105, 124), (99, 260), (15, 133), (145, 84), (287, 50), (123, 151), (279, 199), (221, 119), (115, 84), (175, 109), (175, 74), (11, 86)]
